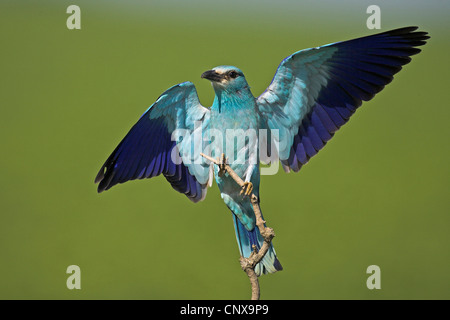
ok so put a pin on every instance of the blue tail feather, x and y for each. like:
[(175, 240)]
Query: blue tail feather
[(246, 239)]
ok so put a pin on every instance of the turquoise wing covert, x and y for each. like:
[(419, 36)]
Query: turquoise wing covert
[(153, 145), (315, 91)]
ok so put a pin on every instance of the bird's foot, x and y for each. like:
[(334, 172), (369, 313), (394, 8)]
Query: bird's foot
[(247, 189), (222, 164)]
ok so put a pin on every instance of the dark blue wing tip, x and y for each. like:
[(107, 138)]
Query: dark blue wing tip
[(405, 31), (104, 178), (100, 176)]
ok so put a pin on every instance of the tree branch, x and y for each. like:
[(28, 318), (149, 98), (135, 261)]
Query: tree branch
[(249, 264)]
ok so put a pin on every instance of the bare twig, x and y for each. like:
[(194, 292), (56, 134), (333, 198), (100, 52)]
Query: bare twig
[(249, 264)]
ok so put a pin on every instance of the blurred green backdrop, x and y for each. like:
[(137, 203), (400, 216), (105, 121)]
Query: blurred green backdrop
[(377, 194)]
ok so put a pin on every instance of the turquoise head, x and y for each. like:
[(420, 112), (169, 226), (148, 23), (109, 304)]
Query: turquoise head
[(227, 78)]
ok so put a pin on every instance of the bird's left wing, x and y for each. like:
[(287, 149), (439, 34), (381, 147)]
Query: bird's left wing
[(315, 91), (152, 146)]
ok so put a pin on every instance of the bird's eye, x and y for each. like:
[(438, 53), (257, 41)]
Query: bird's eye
[(233, 74)]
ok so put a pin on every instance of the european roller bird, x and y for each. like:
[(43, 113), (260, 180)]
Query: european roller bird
[(313, 93)]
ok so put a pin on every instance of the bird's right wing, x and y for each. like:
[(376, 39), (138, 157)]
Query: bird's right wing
[(315, 91), (152, 146)]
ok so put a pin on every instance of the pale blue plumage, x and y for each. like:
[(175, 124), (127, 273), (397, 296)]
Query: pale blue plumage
[(314, 92)]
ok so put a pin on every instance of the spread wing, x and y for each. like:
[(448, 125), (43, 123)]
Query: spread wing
[(153, 146), (315, 91)]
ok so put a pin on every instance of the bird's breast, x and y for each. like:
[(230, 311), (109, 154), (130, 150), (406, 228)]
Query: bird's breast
[(235, 135)]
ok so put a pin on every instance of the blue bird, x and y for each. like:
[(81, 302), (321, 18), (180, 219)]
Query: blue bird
[(313, 93)]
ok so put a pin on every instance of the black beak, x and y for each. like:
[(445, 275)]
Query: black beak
[(212, 75)]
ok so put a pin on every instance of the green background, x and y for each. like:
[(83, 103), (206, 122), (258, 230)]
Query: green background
[(377, 194)]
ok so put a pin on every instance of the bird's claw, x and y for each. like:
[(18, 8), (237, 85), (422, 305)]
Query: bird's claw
[(222, 164), (247, 189)]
